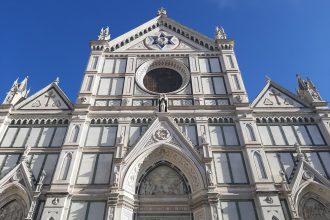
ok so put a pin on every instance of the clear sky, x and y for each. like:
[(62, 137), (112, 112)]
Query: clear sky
[(278, 38)]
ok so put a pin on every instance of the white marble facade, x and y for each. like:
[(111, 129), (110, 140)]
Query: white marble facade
[(163, 129)]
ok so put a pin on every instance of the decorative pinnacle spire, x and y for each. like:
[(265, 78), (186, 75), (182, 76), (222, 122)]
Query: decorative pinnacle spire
[(161, 12), (104, 34), (220, 33), (300, 155)]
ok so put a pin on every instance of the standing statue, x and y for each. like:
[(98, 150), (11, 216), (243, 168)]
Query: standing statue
[(220, 33), (26, 152), (121, 138), (116, 179), (204, 139), (209, 177), (300, 155), (163, 103), (104, 34)]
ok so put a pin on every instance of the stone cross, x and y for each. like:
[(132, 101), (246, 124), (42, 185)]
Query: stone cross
[(276, 95), (49, 96)]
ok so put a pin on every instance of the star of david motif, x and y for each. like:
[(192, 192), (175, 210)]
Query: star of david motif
[(162, 40)]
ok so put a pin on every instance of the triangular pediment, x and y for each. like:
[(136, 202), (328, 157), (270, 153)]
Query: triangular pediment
[(273, 95), (162, 39), (49, 98), (146, 37), (163, 130)]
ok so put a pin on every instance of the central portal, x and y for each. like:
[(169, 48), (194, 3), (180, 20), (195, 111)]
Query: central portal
[(164, 194)]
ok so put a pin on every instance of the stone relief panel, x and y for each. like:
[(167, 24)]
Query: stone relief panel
[(163, 181), (315, 210), (13, 210)]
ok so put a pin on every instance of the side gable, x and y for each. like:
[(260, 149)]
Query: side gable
[(49, 98), (275, 96)]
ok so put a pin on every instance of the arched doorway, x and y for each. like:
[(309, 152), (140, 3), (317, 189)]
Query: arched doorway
[(163, 193)]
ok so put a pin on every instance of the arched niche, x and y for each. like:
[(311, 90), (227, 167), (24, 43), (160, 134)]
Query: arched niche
[(65, 166), (74, 134), (259, 165), (14, 202), (153, 155), (250, 133)]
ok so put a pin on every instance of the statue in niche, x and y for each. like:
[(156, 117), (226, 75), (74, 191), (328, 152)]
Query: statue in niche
[(204, 139), (314, 210), (13, 210), (163, 103), (121, 138), (209, 177), (116, 179)]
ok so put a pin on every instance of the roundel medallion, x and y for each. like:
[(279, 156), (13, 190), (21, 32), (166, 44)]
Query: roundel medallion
[(162, 76)]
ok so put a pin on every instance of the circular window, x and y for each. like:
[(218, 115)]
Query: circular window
[(162, 75), (162, 80)]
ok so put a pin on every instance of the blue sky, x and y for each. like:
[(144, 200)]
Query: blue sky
[(46, 39)]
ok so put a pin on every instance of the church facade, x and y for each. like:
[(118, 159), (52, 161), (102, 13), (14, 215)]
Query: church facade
[(162, 129)]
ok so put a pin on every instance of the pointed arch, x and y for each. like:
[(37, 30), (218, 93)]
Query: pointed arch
[(65, 166), (250, 133), (74, 134), (259, 165), (156, 153)]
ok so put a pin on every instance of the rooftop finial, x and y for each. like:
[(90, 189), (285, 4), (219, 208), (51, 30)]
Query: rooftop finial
[(57, 80), (104, 34), (161, 12), (220, 33), (268, 79)]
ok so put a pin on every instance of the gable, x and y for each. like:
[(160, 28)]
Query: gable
[(275, 96), (49, 98), (135, 37), (162, 39), (162, 131)]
